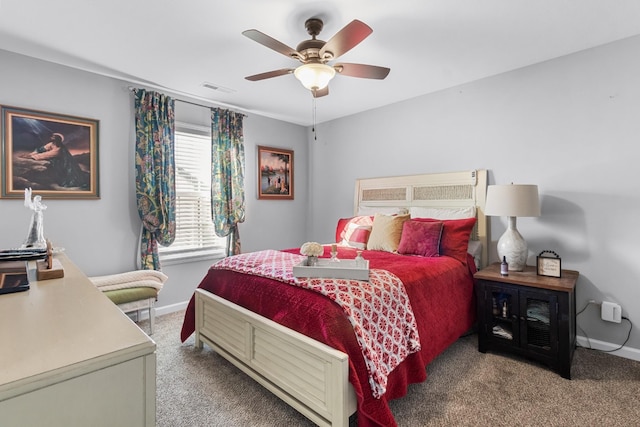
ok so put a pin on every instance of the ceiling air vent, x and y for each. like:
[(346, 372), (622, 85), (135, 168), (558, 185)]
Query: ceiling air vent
[(219, 88)]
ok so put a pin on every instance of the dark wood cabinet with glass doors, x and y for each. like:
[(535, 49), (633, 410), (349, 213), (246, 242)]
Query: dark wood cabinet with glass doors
[(529, 315)]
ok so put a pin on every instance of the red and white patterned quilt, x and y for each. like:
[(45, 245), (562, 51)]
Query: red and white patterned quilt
[(379, 310)]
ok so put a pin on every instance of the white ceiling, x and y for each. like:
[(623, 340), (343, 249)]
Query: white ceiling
[(429, 45)]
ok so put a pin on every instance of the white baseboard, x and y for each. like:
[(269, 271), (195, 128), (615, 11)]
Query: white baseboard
[(626, 352), (166, 309), (172, 308)]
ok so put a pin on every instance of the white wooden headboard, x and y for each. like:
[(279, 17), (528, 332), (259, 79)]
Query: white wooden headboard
[(438, 190)]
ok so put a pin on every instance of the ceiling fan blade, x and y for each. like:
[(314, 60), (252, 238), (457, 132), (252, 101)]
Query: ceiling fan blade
[(272, 43), (346, 39), (270, 74), (362, 71), (320, 92)]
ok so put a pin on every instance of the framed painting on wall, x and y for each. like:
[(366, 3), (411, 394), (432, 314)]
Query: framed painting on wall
[(55, 155), (275, 173)]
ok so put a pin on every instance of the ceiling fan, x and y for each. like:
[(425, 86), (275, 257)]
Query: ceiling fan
[(315, 72)]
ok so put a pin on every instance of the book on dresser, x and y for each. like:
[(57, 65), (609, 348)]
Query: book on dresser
[(13, 277)]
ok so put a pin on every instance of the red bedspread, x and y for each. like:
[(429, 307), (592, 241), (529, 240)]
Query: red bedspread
[(441, 294)]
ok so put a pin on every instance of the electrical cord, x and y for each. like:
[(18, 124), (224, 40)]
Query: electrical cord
[(588, 346), (585, 307), (583, 331), (625, 341), (587, 337)]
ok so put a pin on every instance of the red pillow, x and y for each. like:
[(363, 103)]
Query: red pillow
[(354, 232), (420, 238), (455, 236), (342, 225)]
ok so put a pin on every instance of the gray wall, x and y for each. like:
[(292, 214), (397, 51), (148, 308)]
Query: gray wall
[(101, 236), (570, 125)]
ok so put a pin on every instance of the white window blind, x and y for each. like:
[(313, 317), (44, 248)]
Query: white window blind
[(195, 234)]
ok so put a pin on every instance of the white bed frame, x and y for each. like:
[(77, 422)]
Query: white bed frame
[(310, 376)]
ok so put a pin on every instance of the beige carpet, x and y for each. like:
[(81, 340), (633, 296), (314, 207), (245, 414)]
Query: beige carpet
[(464, 388)]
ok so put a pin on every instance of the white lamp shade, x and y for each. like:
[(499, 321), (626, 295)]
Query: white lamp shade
[(512, 200), (314, 76)]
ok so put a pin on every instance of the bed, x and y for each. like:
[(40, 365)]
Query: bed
[(301, 344)]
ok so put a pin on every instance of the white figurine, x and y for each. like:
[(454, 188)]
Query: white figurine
[(35, 238)]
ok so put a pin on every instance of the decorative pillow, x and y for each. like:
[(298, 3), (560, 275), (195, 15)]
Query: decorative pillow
[(356, 236), (341, 227), (386, 232), (455, 236), (354, 232), (420, 238)]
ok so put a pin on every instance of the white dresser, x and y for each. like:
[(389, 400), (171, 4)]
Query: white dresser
[(70, 357)]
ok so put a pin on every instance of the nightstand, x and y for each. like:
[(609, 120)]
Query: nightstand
[(529, 315)]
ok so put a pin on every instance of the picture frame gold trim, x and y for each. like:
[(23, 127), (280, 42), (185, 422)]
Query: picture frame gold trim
[(275, 173), (55, 155)]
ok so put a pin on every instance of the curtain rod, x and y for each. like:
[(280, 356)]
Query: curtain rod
[(132, 89)]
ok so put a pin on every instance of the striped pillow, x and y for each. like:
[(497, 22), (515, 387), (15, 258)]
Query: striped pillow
[(354, 232)]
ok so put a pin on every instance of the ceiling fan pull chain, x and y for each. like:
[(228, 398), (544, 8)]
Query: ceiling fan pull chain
[(313, 115)]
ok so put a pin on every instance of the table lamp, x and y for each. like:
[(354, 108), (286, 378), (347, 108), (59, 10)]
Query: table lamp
[(512, 201)]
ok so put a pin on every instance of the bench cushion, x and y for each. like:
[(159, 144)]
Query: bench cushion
[(122, 296)]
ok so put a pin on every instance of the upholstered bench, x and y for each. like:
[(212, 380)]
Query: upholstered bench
[(133, 291)]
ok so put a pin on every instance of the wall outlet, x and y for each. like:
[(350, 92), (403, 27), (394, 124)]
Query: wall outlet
[(611, 312)]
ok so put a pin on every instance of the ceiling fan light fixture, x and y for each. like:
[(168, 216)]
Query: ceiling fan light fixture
[(314, 76)]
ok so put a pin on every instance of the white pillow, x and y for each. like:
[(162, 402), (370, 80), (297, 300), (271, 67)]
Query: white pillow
[(443, 213), (372, 210), (475, 249)]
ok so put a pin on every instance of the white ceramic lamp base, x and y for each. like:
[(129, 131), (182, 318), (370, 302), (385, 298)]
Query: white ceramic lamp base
[(513, 247)]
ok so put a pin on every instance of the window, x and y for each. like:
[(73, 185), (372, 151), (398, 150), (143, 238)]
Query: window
[(195, 234)]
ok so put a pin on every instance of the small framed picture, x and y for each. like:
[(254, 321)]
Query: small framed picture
[(275, 173), (549, 264)]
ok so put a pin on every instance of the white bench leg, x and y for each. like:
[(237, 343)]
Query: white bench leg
[(152, 318)]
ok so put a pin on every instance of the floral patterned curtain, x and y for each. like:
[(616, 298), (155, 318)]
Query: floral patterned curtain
[(155, 173), (227, 176)]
